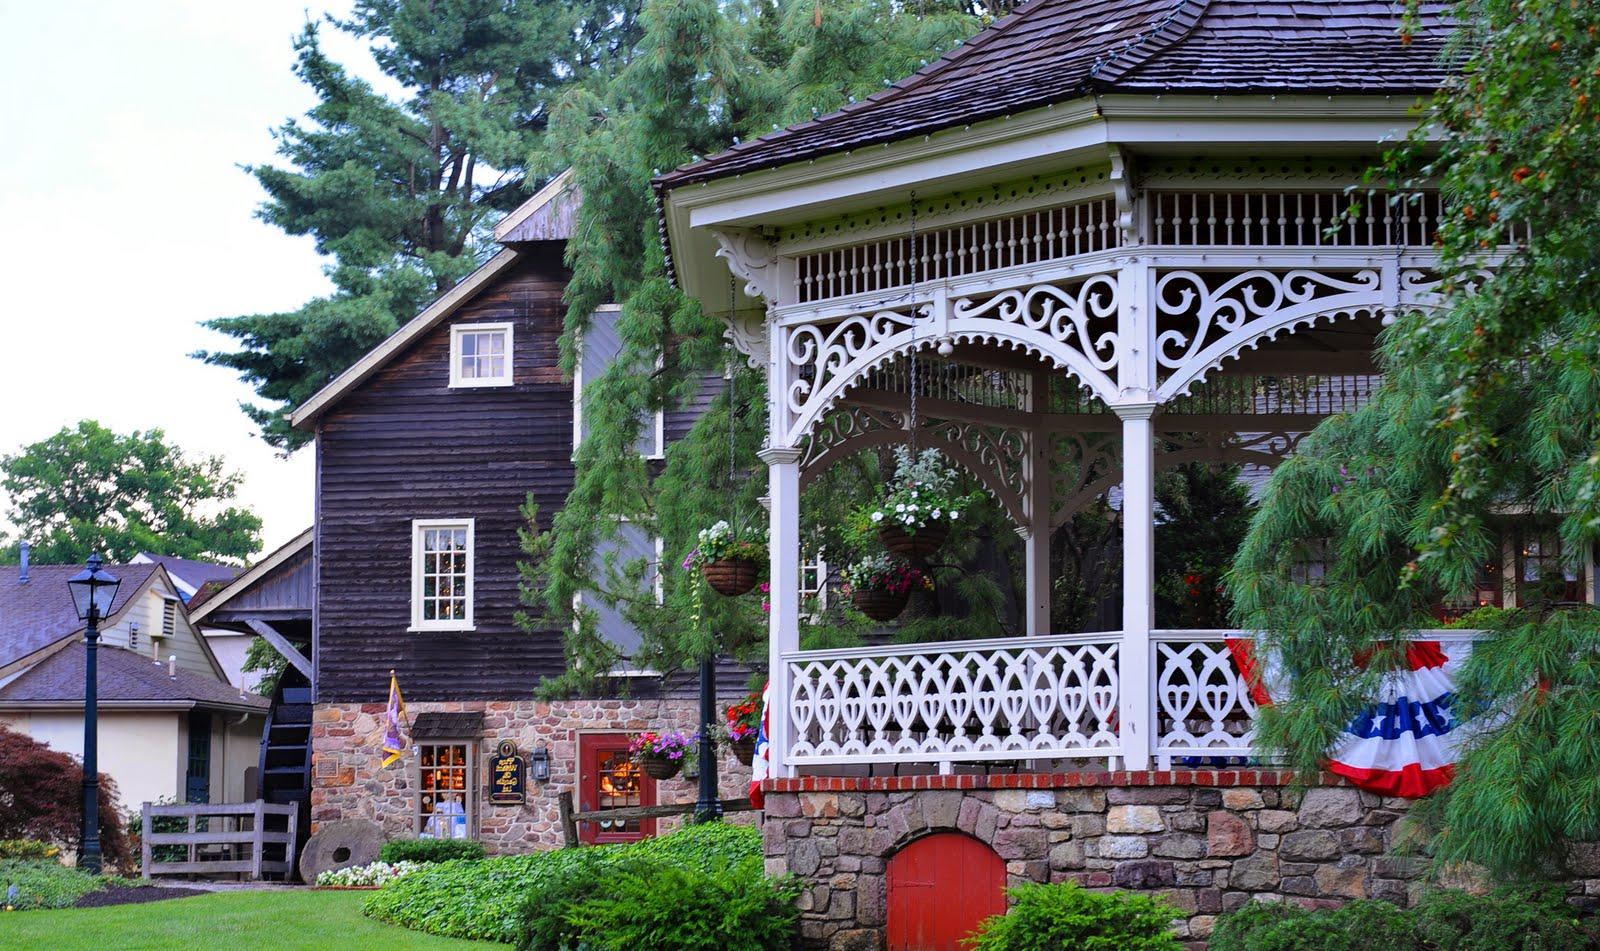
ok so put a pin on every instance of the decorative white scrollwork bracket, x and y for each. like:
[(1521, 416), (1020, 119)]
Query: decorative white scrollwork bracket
[(752, 259)]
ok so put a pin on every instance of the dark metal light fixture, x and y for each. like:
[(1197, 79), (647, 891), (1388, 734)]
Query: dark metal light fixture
[(539, 763), (93, 593)]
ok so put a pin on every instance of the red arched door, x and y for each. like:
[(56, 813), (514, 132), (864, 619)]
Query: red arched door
[(941, 887)]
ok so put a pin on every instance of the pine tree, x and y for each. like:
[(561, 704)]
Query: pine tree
[(399, 194), (1490, 406), (704, 75)]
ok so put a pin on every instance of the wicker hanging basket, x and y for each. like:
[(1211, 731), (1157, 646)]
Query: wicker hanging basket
[(660, 767), (731, 576), (880, 605), (914, 547), (744, 750)]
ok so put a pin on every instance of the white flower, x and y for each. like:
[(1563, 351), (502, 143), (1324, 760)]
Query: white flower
[(913, 508), (906, 519), (877, 516), (900, 508), (954, 515), (935, 513)]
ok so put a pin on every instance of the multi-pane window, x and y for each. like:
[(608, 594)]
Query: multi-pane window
[(1544, 572), (446, 804), (630, 563), (598, 347), (441, 583), (480, 355)]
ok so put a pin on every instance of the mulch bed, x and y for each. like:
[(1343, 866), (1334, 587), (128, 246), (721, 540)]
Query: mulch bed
[(130, 895)]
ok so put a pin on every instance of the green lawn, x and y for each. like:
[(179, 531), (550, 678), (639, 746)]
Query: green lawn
[(301, 920)]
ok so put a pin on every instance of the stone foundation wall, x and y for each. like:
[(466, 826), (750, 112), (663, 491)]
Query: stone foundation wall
[(1207, 841), (349, 782)]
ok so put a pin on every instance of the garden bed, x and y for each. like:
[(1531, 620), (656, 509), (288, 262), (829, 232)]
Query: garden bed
[(115, 894)]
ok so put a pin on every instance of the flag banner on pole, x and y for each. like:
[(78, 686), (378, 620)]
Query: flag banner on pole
[(1404, 745), (393, 741), (761, 764)]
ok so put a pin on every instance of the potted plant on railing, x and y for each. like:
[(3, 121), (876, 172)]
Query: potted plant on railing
[(921, 507), (881, 585), (744, 725), (731, 565), (661, 755)]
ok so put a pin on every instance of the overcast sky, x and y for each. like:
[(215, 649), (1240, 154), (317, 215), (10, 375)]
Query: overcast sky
[(125, 220)]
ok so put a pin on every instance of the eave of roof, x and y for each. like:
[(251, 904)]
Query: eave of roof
[(253, 574)]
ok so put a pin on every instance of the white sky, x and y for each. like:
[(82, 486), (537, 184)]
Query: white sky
[(125, 220)]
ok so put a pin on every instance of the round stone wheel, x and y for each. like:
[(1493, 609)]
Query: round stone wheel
[(337, 845)]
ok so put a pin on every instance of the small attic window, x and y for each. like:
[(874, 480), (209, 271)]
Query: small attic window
[(480, 355)]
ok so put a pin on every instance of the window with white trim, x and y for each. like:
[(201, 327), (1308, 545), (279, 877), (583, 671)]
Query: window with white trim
[(598, 348), (617, 558), (441, 574), (480, 355)]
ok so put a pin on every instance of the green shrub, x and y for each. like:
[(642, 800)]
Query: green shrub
[(1052, 917), (431, 850), (485, 900), (544, 925), (1445, 920), (27, 849), (1506, 920), (43, 883), (653, 904)]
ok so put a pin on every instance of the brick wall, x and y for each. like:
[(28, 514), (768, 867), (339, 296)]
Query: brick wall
[(1207, 841), (348, 781)]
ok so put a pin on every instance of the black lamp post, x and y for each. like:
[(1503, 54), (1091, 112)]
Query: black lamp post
[(93, 591), (709, 806)]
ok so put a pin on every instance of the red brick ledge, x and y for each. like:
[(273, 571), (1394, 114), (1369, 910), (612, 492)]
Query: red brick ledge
[(1073, 780)]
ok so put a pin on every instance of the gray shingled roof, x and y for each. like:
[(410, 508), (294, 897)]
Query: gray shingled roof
[(195, 574), (123, 676), (1052, 51), (39, 613)]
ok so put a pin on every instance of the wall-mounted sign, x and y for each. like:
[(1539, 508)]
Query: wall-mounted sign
[(508, 776)]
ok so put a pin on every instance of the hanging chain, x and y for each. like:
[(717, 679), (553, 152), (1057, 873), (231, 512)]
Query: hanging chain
[(727, 377), (915, 327)]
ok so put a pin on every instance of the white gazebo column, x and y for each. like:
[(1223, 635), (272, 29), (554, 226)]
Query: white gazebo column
[(783, 490), (1040, 507), (1134, 668)]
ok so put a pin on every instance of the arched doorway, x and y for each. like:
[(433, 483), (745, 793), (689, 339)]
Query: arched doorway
[(940, 888)]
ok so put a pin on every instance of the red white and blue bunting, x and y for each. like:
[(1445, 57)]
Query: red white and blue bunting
[(1408, 742), (761, 765)]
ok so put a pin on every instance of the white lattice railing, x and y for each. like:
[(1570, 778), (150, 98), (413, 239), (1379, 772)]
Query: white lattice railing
[(1022, 698), (1013, 698)]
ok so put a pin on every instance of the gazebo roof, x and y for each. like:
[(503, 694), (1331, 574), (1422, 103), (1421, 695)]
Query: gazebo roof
[(1052, 51)]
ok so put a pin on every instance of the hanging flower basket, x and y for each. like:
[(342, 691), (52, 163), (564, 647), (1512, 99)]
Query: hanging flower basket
[(660, 767), (729, 564), (914, 546), (880, 605), (731, 576), (744, 750), (661, 755)]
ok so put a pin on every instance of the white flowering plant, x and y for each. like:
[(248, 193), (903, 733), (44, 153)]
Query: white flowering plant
[(922, 494), (366, 876), (720, 543), (885, 572)]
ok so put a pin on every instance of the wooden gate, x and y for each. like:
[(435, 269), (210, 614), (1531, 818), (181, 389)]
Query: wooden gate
[(941, 887)]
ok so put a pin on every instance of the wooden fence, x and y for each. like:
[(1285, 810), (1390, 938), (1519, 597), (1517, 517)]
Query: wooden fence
[(220, 838), (570, 818)]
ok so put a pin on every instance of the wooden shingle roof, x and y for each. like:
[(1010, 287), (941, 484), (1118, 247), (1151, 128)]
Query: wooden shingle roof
[(1051, 51)]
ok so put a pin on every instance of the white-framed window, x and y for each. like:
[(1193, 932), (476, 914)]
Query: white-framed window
[(630, 544), (480, 355), (598, 347), (441, 574)]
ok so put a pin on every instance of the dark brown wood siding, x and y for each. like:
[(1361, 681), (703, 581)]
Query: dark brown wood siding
[(406, 446)]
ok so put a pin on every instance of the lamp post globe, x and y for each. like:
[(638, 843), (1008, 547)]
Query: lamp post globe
[(93, 592)]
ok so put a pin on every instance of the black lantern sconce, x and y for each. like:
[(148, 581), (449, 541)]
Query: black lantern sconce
[(539, 762)]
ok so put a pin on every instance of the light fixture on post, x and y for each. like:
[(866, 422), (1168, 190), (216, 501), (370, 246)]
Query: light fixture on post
[(93, 592)]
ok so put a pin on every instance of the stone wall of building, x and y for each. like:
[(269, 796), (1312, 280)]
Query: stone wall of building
[(1207, 841), (349, 781)]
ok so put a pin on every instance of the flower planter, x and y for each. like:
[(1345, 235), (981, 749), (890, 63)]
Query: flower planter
[(731, 577), (744, 750), (880, 605), (660, 767), (914, 547)]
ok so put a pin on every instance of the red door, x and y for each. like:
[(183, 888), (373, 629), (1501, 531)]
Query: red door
[(941, 887), (608, 779)]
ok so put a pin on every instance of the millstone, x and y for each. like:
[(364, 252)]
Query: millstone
[(340, 845)]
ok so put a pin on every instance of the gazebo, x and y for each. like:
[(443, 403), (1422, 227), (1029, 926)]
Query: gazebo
[(1099, 238), (1093, 230)]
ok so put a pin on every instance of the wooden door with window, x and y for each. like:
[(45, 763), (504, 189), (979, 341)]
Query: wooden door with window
[(608, 779)]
